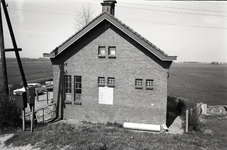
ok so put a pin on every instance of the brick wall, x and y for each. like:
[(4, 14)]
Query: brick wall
[(132, 61)]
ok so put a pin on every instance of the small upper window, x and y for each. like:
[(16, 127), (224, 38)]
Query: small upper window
[(111, 81), (139, 83), (102, 51), (101, 81), (112, 51), (149, 84)]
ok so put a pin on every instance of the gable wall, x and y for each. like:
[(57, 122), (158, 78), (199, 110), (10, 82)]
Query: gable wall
[(134, 105)]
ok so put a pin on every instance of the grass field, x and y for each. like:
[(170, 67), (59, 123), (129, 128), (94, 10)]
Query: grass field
[(85, 136), (36, 70), (198, 82)]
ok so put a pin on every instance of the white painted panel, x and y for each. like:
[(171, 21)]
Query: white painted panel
[(106, 95)]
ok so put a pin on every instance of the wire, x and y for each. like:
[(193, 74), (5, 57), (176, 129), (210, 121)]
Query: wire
[(213, 3), (191, 9), (175, 24), (149, 9), (188, 13), (42, 12), (166, 23)]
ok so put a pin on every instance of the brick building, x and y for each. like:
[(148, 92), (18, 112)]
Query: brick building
[(108, 72)]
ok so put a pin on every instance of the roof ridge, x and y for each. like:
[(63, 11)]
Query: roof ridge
[(139, 35), (112, 19)]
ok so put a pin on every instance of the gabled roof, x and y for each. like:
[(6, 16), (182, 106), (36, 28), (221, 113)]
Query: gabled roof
[(121, 26)]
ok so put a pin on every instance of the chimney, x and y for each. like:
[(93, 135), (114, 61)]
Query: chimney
[(108, 6)]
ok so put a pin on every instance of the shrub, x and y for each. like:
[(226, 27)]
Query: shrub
[(10, 115), (115, 124), (193, 114)]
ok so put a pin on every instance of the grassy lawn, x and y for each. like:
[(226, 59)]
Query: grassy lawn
[(112, 137)]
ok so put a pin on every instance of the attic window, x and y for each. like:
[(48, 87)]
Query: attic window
[(101, 81), (139, 83), (112, 52), (101, 51), (149, 84), (111, 81)]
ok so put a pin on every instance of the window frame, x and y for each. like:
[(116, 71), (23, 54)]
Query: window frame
[(109, 52), (149, 84), (112, 80), (68, 84), (100, 48), (138, 85), (78, 84), (101, 83)]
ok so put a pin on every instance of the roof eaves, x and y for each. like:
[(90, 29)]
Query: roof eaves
[(165, 58), (56, 51)]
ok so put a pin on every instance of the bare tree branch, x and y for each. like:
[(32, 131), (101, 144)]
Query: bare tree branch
[(83, 16)]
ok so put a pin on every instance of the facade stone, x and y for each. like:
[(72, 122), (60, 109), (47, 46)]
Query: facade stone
[(132, 62)]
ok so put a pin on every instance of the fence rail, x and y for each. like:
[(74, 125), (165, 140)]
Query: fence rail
[(43, 112)]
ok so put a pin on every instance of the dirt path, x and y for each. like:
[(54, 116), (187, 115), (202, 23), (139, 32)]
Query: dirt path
[(5, 137)]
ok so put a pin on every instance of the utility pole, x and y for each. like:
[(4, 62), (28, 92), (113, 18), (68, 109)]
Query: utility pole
[(3, 58), (16, 49)]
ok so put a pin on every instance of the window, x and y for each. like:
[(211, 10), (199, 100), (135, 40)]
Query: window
[(78, 84), (139, 83), (101, 51), (111, 81), (112, 51), (68, 84), (77, 90), (149, 84), (101, 81)]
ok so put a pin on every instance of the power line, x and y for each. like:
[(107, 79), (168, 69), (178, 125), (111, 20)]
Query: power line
[(42, 12), (165, 23), (175, 24), (213, 3), (15, 2), (191, 9), (187, 13)]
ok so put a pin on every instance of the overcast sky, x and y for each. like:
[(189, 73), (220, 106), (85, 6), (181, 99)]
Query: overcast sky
[(193, 31)]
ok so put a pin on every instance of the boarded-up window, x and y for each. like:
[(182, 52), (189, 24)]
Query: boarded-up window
[(106, 95)]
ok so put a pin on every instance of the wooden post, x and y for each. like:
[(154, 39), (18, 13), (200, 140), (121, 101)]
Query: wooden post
[(47, 95), (43, 114), (32, 118), (23, 118), (14, 43), (3, 58), (186, 124), (37, 94)]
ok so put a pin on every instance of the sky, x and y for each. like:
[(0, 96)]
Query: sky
[(190, 30)]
